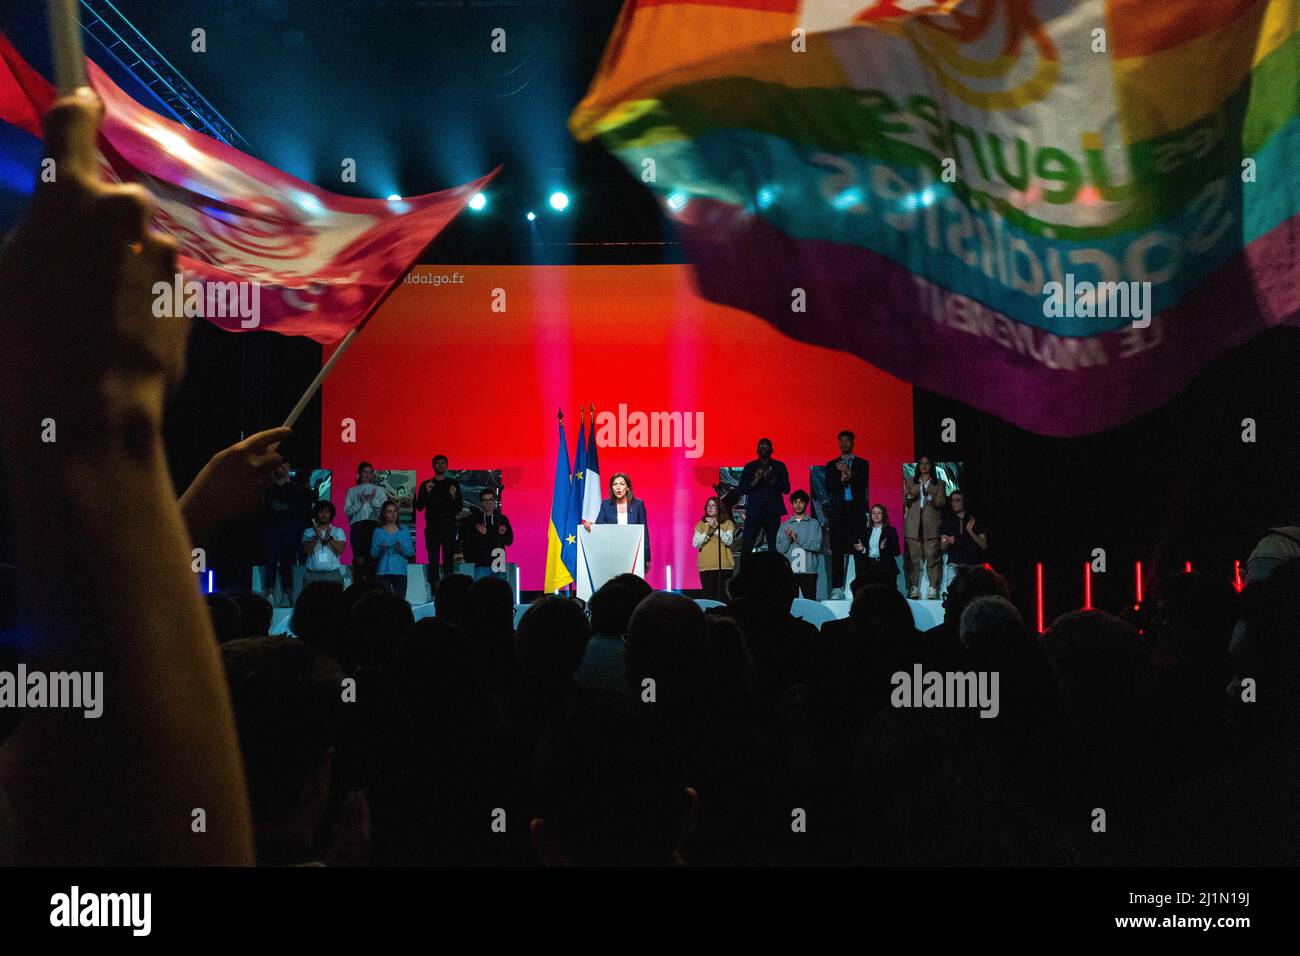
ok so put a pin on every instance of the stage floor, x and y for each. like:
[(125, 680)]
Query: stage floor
[(926, 614)]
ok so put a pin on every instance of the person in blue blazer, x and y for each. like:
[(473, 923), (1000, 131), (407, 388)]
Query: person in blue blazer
[(622, 507)]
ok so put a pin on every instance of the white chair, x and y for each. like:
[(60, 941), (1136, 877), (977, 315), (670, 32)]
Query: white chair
[(814, 612)]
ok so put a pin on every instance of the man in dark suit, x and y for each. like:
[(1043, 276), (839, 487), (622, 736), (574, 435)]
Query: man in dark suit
[(764, 482), (847, 492), (440, 499)]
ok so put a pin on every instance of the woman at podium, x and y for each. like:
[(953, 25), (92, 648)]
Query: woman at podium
[(622, 507)]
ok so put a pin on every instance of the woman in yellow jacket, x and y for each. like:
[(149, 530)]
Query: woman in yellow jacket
[(712, 541)]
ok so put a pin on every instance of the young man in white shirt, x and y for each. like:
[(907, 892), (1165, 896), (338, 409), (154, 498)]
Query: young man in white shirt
[(322, 543)]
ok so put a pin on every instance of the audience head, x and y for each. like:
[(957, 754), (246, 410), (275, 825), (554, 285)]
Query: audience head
[(315, 615), (287, 702), (799, 501), (451, 599), (611, 607), (323, 511), (846, 439), (1267, 649), (365, 473), (969, 583), (439, 464), (255, 613), (611, 791), (880, 611), (1097, 663), (491, 606), (1192, 623), (438, 673), (879, 515), (227, 620), (551, 641), (990, 619), (376, 625), (765, 576), (667, 641)]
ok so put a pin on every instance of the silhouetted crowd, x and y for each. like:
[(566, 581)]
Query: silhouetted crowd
[(642, 730)]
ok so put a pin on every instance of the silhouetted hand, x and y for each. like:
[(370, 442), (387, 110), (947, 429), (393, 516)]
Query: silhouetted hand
[(231, 484), (77, 321)]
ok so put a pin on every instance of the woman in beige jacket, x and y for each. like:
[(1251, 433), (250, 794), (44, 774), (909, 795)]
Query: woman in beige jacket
[(712, 541), (923, 501)]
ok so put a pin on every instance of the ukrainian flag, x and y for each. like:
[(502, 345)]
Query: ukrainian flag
[(561, 542)]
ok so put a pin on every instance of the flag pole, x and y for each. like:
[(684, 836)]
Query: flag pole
[(316, 383), (65, 36), (328, 367)]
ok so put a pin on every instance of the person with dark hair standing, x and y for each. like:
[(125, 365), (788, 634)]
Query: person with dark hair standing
[(877, 549), (488, 534), (713, 535), (362, 504), (847, 491), (961, 537), (800, 540), (322, 543), (287, 509), (440, 499), (764, 482), (623, 507), (923, 499), (391, 546)]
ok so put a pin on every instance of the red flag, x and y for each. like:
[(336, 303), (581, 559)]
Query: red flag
[(316, 263)]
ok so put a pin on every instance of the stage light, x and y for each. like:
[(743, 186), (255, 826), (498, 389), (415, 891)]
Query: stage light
[(531, 215), (1139, 582), (677, 200), (519, 599), (559, 201), (211, 583), (670, 576), (1038, 575), (477, 202), (767, 196), (1087, 585), (394, 198), (1237, 583), (1187, 568)]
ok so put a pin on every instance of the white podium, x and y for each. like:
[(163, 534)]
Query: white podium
[(606, 551)]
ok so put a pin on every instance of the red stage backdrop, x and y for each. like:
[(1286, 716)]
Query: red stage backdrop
[(437, 370)]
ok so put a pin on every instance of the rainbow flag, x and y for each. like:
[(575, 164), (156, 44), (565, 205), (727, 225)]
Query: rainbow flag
[(1056, 211)]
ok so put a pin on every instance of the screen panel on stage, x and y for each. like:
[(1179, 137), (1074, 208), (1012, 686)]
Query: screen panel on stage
[(475, 365)]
